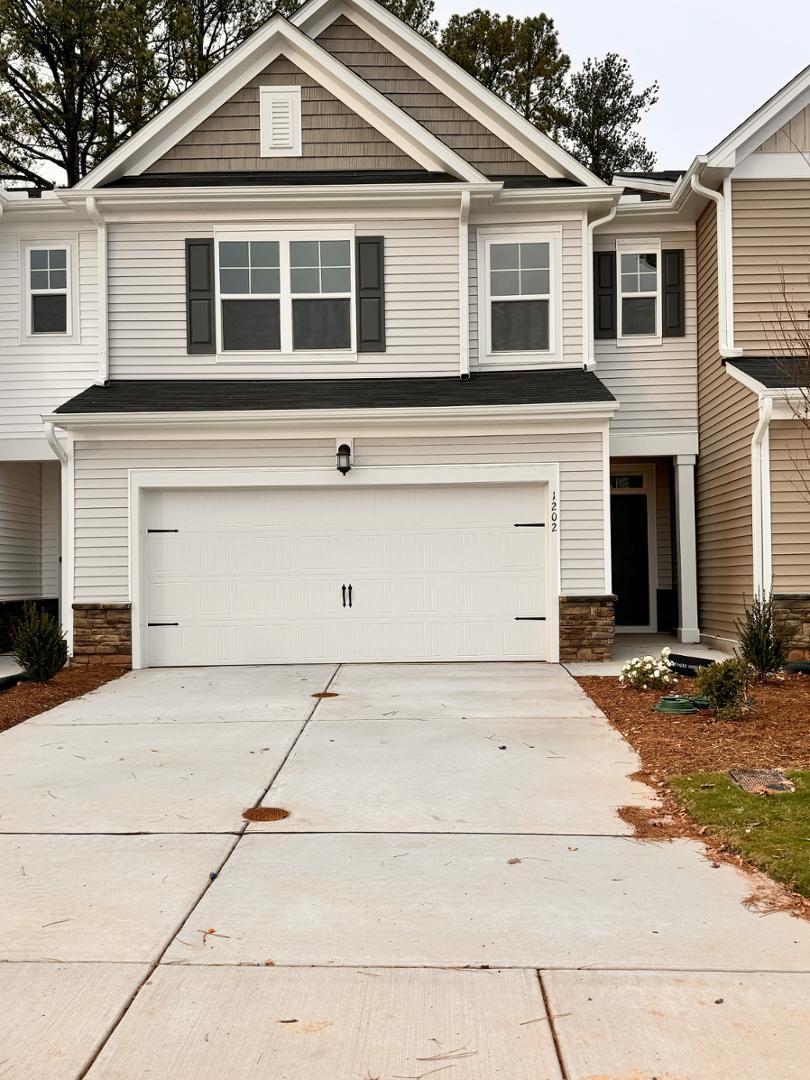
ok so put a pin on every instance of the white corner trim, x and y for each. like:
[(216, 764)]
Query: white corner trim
[(277, 36), (450, 79), (725, 271), (464, 284), (142, 480), (761, 496), (606, 510)]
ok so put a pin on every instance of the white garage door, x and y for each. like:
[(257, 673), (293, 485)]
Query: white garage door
[(280, 575)]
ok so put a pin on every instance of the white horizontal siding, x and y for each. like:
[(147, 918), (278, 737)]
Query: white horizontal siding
[(571, 285), (50, 484), (101, 494), (656, 385), (20, 559), (36, 377), (147, 313)]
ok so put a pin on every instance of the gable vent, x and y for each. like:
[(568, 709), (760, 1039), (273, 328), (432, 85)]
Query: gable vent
[(280, 121)]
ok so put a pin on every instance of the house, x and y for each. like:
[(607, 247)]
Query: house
[(753, 331), (340, 359)]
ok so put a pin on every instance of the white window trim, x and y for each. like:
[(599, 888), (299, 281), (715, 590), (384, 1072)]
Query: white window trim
[(267, 94), (638, 247), (70, 246), (551, 235), (286, 353)]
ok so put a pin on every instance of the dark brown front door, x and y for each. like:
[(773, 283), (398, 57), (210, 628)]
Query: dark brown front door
[(631, 567)]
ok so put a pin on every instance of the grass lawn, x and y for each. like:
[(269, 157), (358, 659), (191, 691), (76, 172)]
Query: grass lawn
[(772, 832)]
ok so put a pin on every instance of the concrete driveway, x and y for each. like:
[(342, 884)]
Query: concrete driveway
[(452, 893)]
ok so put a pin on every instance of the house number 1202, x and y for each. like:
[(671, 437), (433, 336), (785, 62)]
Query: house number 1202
[(555, 516)]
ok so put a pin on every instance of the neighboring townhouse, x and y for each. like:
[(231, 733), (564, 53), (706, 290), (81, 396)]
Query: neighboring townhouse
[(753, 329), (343, 360)]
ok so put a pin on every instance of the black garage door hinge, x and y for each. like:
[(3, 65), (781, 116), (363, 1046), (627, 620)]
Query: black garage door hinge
[(162, 530), (163, 624), (530, 618), (530, 524)]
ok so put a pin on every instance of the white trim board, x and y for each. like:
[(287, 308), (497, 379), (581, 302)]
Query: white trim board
[(277, 37), (143, 480)]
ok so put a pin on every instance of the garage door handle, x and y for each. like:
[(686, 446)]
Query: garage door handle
[(350, 596)]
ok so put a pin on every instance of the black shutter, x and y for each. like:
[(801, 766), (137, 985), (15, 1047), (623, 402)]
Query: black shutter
[(604, 294), (370, 259), (673, 322), (200, 319)]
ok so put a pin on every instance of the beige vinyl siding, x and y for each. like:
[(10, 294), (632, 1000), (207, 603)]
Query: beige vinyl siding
[(332, 135), (771, 238), (417, 97), (656, 385), (36, 376), (101, 494), (790, 506), (571, 285), (20, 557), (147, 307), (728, 416), (792, 137)]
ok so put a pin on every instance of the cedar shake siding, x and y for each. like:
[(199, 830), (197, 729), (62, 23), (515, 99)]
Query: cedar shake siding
[(792, 137), (727, 418), (333, 136), (771, 238), (422, 101), (790, 506)]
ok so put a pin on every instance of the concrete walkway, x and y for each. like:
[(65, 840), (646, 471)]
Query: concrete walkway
[(452, 893)]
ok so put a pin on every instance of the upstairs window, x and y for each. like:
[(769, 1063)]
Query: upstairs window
[(250, 286), (286, 295), (518, 283), (48, 282), (639, 293)]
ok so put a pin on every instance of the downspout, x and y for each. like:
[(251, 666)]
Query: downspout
[(93, 212), (464, 285), (724, 273), (55, 444), (761, 496), (587, 279)]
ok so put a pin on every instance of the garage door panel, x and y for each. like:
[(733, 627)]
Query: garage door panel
[(256, 575)]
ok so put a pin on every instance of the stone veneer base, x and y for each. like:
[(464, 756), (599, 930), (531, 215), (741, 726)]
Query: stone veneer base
[(587, 628), (795, 609), (102, 634)]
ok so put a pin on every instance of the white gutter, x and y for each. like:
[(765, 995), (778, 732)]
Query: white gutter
[(464, 285), (725, 278), (761, 496), (587, 291), (103, 373)]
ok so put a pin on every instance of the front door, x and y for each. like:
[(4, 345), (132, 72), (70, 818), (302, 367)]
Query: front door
[(630, 545)]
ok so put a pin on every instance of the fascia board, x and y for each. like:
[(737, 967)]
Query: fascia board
[(452, 80), (300, 418), (277, 36), (754, 385)]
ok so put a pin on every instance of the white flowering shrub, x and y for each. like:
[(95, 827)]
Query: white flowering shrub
[(648, 672)]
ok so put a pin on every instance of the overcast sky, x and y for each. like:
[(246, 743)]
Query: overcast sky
[(715, 60)]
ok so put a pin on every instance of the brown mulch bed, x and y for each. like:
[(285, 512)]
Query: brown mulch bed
[(28, 699), (776, 734)]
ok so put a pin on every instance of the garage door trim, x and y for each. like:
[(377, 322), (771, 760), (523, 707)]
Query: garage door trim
[(144, 480)]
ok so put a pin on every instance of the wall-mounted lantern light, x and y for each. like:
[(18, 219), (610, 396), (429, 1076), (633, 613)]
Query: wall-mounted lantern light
[(344, 458)]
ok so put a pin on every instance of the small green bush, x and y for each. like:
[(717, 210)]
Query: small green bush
[(765, 637), (725, 687), (38, 645)]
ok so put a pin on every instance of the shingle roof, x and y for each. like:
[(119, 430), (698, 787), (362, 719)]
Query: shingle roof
[(775, 372), (569, 385)]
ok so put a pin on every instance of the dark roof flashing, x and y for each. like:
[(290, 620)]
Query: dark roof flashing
[(775, 372)]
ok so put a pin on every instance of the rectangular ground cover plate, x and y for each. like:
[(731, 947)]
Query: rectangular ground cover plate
[(760, 780)]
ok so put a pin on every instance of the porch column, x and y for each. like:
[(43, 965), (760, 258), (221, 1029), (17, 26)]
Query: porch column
[(688, 631)]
